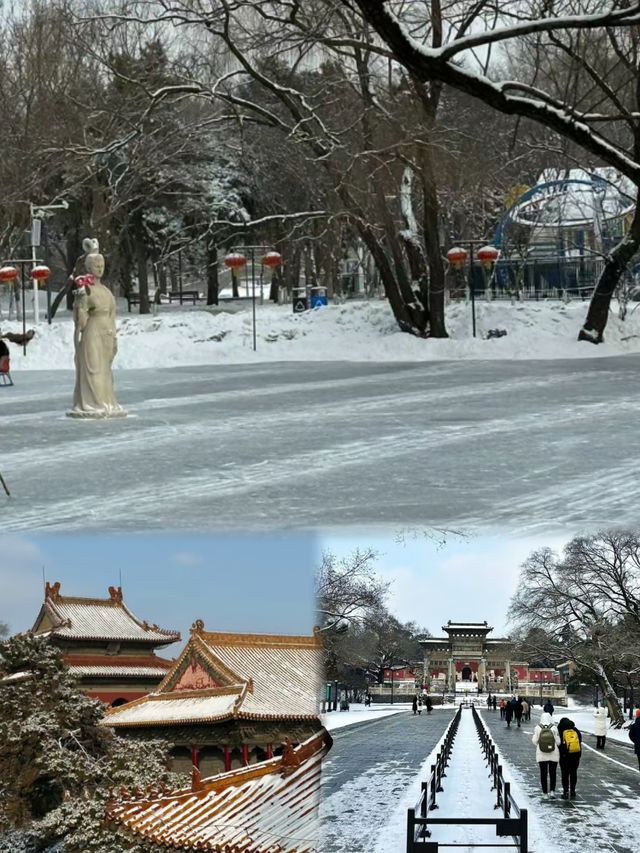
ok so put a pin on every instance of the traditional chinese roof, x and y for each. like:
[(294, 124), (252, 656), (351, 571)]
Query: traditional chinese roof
[(467, 628), (263, 808), (74, 618), (118, 666), (222, 676)]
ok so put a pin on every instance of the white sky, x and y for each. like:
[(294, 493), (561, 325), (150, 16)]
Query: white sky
[(469, 579)]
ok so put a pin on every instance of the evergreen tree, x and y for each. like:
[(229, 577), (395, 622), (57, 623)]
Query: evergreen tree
[(57, 763)]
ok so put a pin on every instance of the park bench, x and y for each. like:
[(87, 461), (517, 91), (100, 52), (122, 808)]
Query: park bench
[(132, 299), (185, 296)]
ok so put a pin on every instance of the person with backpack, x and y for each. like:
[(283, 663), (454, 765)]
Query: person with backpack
[(548, 707), (600, 726), (634, 736), (547, 740), (570, 752)]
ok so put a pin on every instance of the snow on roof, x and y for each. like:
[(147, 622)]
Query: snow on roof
[(119, 671), (202, 706), (96, 619), (265, 807), (262, 676), (602, 188)]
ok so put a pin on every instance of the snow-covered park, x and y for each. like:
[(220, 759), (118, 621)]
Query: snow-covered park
[(357, 331), (304, 433)]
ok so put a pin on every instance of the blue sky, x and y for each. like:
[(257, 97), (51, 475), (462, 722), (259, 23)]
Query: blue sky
[(249, 583), (440, 576)]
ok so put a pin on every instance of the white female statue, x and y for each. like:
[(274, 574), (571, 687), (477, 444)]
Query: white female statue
[(94, 315)]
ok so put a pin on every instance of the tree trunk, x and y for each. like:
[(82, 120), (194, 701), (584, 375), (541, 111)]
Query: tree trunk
[(212, 274), (609, 693), (143, 277), (615, 264), (435, 263)]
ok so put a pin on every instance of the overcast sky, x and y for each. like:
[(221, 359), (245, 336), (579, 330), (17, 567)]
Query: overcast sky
[(463, 579), (249, 583)]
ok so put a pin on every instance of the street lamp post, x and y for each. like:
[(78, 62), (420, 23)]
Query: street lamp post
[(486, 255), (37, 213)]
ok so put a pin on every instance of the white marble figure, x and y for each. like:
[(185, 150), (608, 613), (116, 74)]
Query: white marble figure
[(94, 315)]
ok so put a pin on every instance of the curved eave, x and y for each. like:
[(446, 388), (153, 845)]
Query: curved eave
[(218, 718)]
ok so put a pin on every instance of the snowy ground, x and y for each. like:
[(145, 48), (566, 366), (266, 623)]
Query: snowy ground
[(375, 772), (360, 714), (355, 331), (471, 445)]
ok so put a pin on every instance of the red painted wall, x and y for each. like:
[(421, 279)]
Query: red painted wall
[(109, 697)]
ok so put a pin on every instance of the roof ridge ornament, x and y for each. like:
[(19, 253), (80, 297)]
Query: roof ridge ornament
[(52, 591), (115, 594), (197, 627)]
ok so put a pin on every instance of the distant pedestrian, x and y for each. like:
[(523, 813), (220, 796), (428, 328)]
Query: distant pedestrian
[(570, 752), (518, 710), (508, 714), (600, 726), (414, 705), (547, 740), (531, 706), (495, 702), (503, 705), (548, 707), (525, 710), (429, 704), (634, 735)]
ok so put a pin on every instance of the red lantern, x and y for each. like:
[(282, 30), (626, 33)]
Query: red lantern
[(235, 261), (272, 259), (457, 256), (487, 256), (8, 274), (40, 272)]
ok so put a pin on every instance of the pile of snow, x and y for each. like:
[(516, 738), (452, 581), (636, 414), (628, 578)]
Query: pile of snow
[(354, 331), (358, 713)]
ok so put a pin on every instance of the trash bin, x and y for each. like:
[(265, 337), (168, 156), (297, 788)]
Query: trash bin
[(318, 296), (300, 300)]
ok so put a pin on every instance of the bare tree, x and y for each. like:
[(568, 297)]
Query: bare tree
[(585, 606), (605, 125)]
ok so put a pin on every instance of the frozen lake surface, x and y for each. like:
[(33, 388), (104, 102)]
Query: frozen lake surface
[(473, 445)]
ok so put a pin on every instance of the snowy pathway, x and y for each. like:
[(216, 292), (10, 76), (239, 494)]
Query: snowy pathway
[(605, 816), (473, 445), (368, 771)]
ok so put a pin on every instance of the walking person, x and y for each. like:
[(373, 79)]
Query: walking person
[(570, 752), (429, 704), (414, 705), (525, 710), (600, 726), (547, 741), (502, 708), (495, 702), (508, 714), (634, 735), (518, 710), (548, 707)]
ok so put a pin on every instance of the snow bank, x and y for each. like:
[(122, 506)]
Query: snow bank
[(354, 331), (359, 714)]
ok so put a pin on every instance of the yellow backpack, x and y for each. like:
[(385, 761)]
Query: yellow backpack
[(571, 741)]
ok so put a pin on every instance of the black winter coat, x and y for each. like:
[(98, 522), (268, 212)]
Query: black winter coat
[(634, 735)]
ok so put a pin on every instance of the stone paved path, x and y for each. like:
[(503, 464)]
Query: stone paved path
[(367, 771), (605, 816)]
